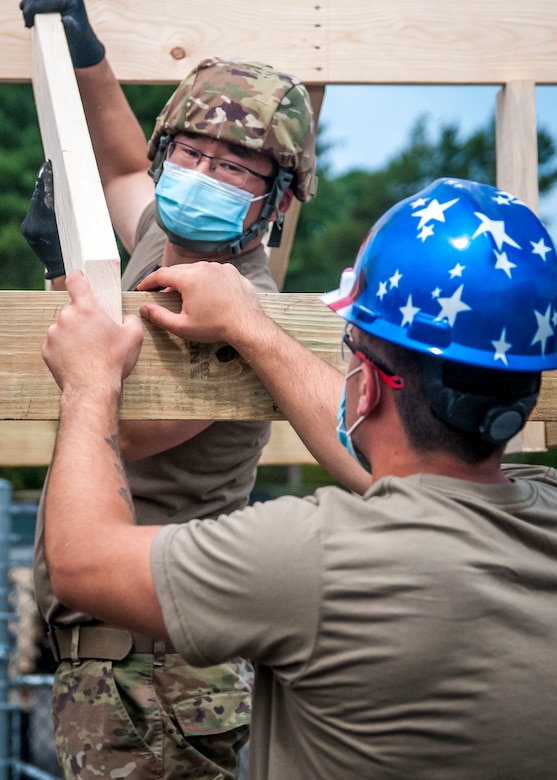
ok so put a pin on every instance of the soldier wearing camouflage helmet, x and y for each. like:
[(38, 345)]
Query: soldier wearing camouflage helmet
[(248, 105), (230, 150)]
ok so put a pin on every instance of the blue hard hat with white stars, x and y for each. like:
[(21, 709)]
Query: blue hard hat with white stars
[(460, 270)]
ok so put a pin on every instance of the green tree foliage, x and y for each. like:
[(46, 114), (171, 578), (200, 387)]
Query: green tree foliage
[(333, 225), (21, 154)]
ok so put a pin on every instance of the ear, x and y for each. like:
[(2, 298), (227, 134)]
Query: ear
[(369, 387), (286, 200)]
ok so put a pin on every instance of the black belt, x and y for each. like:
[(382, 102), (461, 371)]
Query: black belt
[(104, 643)]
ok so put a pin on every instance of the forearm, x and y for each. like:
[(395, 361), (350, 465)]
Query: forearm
[(116, 134), (98, 558), (74, 506), (307, 390), (120, 149)]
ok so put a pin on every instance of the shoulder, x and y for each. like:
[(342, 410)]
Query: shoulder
[(531, 472), (254, 265), (149, 246)]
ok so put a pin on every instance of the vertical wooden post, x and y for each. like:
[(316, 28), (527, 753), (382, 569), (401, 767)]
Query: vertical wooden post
[(517, 172), (278, 261), (86, 233)]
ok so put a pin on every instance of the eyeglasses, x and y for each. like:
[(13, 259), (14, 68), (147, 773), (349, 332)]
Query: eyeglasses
[(222, 169), (391, 379)]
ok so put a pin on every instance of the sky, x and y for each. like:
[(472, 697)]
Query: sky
[(369, 136)]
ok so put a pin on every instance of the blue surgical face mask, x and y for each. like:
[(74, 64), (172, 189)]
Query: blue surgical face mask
[(198, 208), (344, 435)]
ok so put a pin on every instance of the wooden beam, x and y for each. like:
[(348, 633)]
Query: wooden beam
[(278, 258), (31, 443), (517, 141), (517, 172), (27, 442), (333, 42), (86, 233), (171, 381)]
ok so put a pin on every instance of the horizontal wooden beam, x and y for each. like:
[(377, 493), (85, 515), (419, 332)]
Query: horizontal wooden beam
[(31, 443), (172, 380), (330, 42)]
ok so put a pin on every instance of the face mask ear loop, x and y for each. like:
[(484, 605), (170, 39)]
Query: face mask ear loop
[(377, 398), (348, 376)]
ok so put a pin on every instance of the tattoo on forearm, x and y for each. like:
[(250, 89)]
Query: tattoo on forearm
[(123, 491)]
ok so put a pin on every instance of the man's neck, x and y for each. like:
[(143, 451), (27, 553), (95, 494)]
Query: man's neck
[(174, 255), (390, 454)]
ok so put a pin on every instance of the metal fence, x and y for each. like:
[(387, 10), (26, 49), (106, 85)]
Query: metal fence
[(26, 740)]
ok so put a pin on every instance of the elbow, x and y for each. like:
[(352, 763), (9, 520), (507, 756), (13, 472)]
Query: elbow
[(69, 576), (65, 585)]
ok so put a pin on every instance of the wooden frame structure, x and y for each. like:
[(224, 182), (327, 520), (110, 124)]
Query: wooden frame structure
[(502, 42)]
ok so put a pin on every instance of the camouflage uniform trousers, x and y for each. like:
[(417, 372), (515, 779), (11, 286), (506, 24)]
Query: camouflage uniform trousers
[(134, 719)]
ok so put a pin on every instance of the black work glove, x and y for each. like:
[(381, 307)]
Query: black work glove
[(85, 47), (40, 228)]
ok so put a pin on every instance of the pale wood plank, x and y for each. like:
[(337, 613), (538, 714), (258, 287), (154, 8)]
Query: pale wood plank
[(363, 41), (517, 141), (86, 233), (170, 381), (278, 258), (517, 171), (285, 447), (27, 442), (31, 443)]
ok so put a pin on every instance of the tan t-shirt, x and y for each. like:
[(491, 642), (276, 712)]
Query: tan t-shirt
[(408, 634), (211, 473)]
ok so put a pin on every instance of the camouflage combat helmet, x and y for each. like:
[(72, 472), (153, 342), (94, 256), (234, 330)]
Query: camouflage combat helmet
[(249, 104)]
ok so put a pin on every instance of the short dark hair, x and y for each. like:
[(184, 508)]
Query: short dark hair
[(426, 432)]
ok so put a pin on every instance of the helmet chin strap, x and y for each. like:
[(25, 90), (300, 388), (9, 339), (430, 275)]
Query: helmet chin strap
[(237, 245)]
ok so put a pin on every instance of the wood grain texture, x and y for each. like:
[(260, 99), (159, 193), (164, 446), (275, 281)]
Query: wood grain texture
[(334, 41), (516, 143), (86, 234), (31, 443), (171, 380)]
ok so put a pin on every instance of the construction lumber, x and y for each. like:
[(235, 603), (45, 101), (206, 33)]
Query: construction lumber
[(278, 257), (516, 145), (86, 233), (172, 380), (31, 443), (333, 42)]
